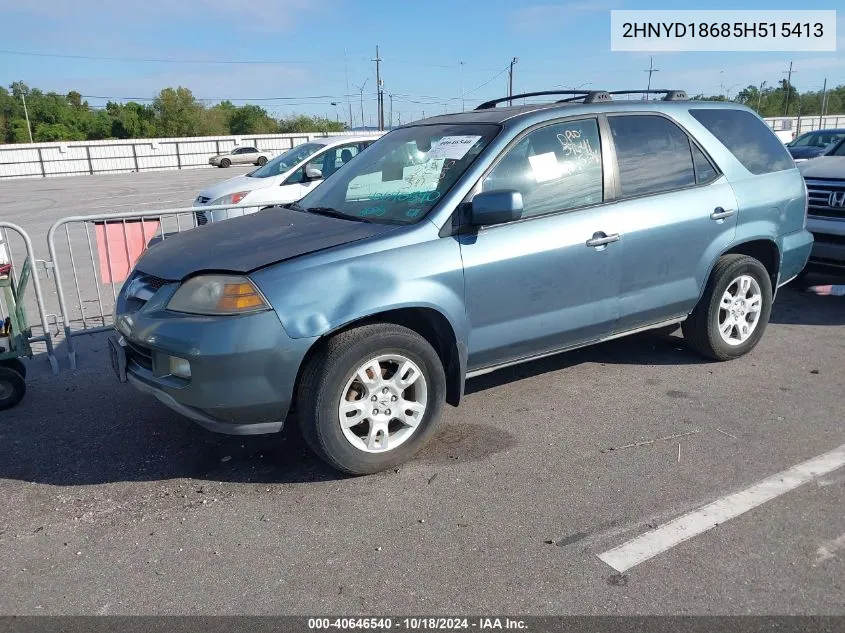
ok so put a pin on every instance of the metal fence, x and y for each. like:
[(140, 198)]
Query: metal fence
[(34, 300), (799, 125), (35, 160), (92, 255)]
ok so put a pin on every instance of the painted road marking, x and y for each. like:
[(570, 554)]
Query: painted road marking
[(685, 527)]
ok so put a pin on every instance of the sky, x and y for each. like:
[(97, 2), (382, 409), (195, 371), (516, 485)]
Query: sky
[(299, 56)]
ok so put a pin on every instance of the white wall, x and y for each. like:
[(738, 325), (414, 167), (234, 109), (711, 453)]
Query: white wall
[(798, 125), (35, 160)]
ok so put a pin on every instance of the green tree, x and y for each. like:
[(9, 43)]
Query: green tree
[(177, 112)]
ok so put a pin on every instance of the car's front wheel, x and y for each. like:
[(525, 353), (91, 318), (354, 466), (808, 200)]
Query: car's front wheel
[(370, 398), (225, 163), (262, 160), (733, 312)]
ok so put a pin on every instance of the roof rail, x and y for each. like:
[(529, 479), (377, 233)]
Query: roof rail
[(586, 96), (669, 95)]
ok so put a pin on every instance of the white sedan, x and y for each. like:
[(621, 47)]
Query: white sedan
[(284, 179), (241, 156)]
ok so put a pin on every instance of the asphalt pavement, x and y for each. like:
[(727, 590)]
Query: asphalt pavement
[(112, 504)]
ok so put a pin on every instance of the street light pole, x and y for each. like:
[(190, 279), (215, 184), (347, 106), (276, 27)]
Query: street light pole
[(26, 115), (463, 104), (361, 91), (760, 96)]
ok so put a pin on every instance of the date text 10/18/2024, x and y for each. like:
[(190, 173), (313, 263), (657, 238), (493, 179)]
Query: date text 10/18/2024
[(418, 624)]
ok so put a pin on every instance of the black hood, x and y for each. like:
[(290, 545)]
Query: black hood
[(253, 241)]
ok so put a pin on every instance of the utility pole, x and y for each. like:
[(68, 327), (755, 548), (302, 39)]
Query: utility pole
[(391, 111), (821, 108), (26, 115), (361, 91), (510, 79), (463, 104), (788, 74), (348, 98), (760, 97), (651, 70), (378, 61)]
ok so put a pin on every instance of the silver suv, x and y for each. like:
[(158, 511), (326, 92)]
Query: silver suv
[(825, 177)]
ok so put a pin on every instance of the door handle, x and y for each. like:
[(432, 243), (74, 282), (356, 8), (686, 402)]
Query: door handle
[(720, 214), (602, 239)]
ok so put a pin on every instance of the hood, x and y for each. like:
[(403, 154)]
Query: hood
[(238, 183), (805, 152), (824, 167), (243, 244)]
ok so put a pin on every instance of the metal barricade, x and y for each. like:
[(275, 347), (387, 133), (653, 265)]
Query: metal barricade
[(90, 266), (29, 265)]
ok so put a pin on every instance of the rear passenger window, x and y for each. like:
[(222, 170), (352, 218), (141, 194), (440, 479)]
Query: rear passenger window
[(747, 137), (653, 155), (555, 168), (704, 170)]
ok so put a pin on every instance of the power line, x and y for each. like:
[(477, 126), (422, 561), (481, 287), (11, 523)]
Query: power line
[(161, 60)]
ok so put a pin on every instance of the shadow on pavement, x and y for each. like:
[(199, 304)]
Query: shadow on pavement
[(796, 306)]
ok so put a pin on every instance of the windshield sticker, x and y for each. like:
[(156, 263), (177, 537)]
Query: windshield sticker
[(545, 167), (455, 147), (412, 213), (412, 197)]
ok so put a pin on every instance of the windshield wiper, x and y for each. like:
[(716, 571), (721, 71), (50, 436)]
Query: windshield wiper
[(333, 213)]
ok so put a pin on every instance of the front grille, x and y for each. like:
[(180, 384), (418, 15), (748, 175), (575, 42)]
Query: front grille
[(201, 217), (140, 288), (819, 198), (139, 355)]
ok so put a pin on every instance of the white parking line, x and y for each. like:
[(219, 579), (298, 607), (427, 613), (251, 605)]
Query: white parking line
[(652, 543), (828, 550)]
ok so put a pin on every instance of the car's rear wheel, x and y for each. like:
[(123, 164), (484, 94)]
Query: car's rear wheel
[(262, 160), (732, 315), (225, 163), (370, 398)]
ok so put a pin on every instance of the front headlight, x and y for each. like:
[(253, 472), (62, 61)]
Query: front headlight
[(232, 198), (217, 295)]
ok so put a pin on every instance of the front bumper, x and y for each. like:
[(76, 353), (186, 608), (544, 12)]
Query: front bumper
[(243, 368), (829, 245)]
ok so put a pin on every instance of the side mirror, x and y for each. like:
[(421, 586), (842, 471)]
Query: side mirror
[(312, 173), (496, 207)]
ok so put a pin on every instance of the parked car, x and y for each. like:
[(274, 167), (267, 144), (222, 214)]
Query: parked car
[(286, 178), (240, 156), (459, 245), (825, 177), (812, 144)]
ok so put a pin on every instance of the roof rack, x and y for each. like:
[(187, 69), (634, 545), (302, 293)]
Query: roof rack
[(585, 96), (669, 95)]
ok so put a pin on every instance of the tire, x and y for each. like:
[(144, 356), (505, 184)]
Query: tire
[(15, 364), (12, 388), (702, 328), (330, 377), (225, 163), (262, 160)]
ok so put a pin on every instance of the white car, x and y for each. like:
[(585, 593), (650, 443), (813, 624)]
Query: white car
[(284, 179), (241, 156)]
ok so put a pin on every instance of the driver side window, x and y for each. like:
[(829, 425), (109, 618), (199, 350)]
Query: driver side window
[(555, 168)]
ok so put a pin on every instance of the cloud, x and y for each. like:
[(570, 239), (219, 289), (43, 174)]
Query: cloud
[(543, 16)]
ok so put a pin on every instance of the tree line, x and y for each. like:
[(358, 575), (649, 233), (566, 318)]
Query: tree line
[(174, 112), (784, 99)]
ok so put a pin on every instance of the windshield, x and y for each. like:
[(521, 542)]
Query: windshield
[(401, 176), (283, 162), (817, 139)]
